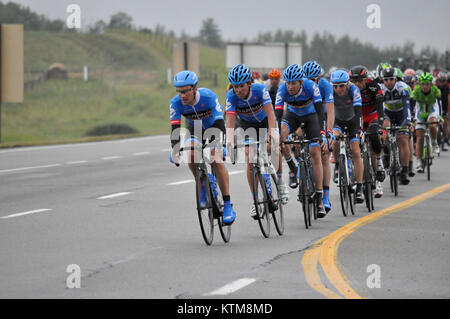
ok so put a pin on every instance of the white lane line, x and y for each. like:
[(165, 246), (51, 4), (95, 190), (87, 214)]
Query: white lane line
[(114, 195), (28, 168), (232, 287), (182, 182), (26, 213), (187, 181), (110, 158), (141, 153), (76, 162)]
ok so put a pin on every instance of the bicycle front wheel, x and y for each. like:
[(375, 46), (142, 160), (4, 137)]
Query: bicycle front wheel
[(343, 185), (303, 195), (260, 201), (278, 216), (205, 213)]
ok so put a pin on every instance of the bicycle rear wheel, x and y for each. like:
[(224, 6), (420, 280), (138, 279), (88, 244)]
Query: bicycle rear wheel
[(261, 202), (368, 191), (394, 171), (205, 214), (351, 188), (428, 156), (278, 216), (343, 185)]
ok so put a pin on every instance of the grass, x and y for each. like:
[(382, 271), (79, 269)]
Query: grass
[(127, 85)]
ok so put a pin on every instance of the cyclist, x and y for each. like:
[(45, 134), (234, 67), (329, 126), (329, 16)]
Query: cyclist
[(409, 77), (427, 97), (272, 85), (348, 113), (250, 104), (443, 85), (396, 111), (381, 67), (313, 71), (304, 105), (373, 117), (203, 114)]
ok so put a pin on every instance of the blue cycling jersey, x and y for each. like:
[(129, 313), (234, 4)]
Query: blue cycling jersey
[(252, 109), (302, 103), (326, 91), (206, 109)]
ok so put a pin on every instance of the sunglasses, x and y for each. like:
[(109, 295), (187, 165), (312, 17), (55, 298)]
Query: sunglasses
[(339, 85), (184, 91), (388, 79)]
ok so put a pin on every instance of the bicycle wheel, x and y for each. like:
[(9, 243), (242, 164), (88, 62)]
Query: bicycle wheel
[(205, 214), (278, 216), (428, 157), (351, 188), (343, 185), (394, 170), (312, 190), (261, 202), (225, 230), (368, 192), (304, 196)]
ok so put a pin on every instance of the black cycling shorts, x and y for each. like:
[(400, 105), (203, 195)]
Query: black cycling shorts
[(353, 126), (311, 121), (252, 128)]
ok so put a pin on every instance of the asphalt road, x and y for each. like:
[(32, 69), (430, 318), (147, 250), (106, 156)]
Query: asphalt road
[(126, 216)]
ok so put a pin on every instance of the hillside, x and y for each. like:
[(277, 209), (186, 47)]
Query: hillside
[(127, 85)]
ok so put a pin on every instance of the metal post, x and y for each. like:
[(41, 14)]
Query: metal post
[(185, 55), (286, 54), (242, 52)]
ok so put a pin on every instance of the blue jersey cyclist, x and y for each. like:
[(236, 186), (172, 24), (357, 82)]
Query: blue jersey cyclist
[(348, 113), (204, 120), (313, 71), (304, 106), (249, 108)]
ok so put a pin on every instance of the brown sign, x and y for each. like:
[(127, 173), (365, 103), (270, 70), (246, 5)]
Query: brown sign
[(11, 63), (186, 56)]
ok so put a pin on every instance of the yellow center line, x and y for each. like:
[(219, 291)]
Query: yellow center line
[(325, 250)]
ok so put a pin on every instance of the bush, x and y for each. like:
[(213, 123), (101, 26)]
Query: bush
[(111, 129)]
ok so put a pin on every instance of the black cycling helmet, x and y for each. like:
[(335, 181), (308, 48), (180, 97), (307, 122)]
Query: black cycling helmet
[(389, 73), (358, 72)]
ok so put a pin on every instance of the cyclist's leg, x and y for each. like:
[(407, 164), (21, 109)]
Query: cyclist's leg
[(337, 130), (289, 124)]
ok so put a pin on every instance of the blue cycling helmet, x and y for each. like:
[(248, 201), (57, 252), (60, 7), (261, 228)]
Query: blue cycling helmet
[(339, 76), (312, 69), (239, 74), (184, 78), (294, 72)]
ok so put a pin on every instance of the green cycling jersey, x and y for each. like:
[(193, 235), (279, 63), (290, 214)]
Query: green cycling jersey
[(426, 100)]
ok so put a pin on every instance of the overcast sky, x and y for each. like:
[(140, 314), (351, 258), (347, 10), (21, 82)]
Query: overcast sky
[(423, 22)]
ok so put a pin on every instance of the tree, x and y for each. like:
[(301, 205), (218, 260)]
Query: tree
[(121, 20), (210, 33)]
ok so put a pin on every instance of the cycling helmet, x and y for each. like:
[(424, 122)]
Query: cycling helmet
[(239, 74), (425, 78), (409, 79), (339, 76), (381, 66), (409, 72), (294, 72), (274, 74), (399, 73), (312, 69), (255, 75), (358, 72), (389, 73), (442, 76), (184, 78)]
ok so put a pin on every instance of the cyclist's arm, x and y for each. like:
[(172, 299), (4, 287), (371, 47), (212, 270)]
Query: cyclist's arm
[(330, 115), (230, 124), (319, 109), (405, 110)]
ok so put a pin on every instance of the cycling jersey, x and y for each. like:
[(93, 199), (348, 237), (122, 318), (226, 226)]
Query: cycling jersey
[(273, 91), (427, 104), (251, 109), (444, 98), (326, 91), (206, 109), (303, 102), (344, 106), (394, 98)]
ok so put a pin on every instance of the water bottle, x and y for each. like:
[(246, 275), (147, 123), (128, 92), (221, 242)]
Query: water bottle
[(269, 186), (212, 180)]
